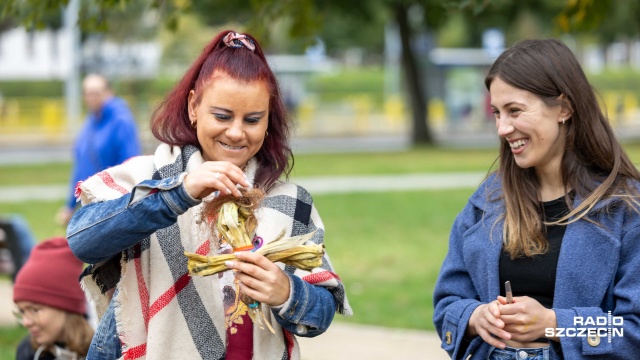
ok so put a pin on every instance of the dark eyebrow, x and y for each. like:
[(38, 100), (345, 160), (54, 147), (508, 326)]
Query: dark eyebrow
[(508, 104), (255, 113), (221, 109)]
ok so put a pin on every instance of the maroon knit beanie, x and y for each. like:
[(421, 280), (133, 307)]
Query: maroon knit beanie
[(50, 277)]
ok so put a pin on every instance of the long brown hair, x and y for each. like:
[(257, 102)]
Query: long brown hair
[(594, 164), (76, 334)]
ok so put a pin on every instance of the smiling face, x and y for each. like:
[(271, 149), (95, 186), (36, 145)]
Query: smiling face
[(45, 324), (231, 118), (533, 129)]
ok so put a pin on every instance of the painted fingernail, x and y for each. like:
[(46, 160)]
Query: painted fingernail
[(229, 263), (228, 191)]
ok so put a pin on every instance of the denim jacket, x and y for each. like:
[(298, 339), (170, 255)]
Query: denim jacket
[(101, 230), (598, 269)]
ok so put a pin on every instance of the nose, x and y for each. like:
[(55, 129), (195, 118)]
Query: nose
[(504, 125), (27, 321), (235, 131)]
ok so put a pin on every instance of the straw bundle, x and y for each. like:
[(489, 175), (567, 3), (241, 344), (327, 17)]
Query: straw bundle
[(235, 223)]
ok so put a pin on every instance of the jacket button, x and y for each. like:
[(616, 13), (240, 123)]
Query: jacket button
[(447, 336), (593, 340)]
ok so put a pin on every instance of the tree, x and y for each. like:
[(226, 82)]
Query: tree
[(304, 19)]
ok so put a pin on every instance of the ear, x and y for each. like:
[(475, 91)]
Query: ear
[(566, 110), (191, 105)]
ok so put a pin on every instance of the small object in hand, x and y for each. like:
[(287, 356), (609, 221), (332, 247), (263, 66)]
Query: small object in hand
[(508, 292)]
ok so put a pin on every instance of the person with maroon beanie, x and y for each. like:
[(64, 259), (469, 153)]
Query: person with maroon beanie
[(51, 304)]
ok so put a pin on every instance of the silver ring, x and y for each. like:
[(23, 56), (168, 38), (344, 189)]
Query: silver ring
[(217, 175)]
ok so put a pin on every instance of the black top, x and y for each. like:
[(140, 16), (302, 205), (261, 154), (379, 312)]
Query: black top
[(536, 276), (26, 352)]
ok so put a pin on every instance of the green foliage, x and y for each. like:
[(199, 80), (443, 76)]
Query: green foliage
[(34, 14), (586, 15)]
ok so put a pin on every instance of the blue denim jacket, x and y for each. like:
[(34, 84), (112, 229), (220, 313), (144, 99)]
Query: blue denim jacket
[(98, 231), (598, 269)]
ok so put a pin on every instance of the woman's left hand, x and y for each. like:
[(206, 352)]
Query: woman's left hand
[(260, 279), (526, 319)]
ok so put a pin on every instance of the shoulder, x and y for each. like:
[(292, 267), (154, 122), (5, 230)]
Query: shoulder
[(116, 181), (291, 190), (488, 193), (119, 111), (24, 350)]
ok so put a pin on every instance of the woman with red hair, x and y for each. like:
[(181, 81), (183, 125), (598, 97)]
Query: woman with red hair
[(222, 128)]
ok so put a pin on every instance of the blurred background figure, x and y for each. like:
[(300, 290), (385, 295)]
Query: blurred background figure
[(108, 138), (54, 312), (16, 242)]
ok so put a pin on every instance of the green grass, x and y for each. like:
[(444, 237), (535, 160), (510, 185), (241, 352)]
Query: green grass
[(35, 174), (9, 339), (388, 248), (418, 160), (39, 215)]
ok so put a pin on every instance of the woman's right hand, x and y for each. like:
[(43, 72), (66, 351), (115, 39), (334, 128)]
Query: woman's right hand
[(222, 176), (485, 322)]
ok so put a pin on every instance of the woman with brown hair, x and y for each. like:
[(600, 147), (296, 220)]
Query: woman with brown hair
[(223, 127), (51, 304), (559, 220)]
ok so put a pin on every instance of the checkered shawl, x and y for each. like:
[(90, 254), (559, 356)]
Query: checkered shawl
[(161, 311)]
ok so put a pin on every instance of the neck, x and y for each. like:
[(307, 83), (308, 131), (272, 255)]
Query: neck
[(551, 186)]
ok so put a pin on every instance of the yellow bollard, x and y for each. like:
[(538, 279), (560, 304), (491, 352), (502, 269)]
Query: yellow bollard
[(362, 105), (394, 111), (437, 113), (12, 115), (611, 106), (630, 107), (305, 114), (51, 116)]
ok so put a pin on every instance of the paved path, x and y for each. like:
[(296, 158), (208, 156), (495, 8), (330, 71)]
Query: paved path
[(315, 185)]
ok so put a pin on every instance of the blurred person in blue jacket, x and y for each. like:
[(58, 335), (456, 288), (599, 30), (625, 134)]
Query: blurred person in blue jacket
[(108, 138)]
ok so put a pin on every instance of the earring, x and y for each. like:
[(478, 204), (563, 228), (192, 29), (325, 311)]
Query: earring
[(193, 124), (562, 121)]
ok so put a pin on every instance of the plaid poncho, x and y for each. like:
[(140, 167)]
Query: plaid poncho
[(162, 312)]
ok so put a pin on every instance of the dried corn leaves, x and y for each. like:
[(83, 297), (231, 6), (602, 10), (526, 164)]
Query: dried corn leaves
[(234, 222)]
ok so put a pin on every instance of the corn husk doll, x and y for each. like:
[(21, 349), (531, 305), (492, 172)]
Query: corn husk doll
[(233, 222)]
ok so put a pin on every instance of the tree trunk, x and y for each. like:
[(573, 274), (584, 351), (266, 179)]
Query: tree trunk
[(414, 84)]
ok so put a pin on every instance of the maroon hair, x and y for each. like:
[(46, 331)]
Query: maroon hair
[(170, 121)]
